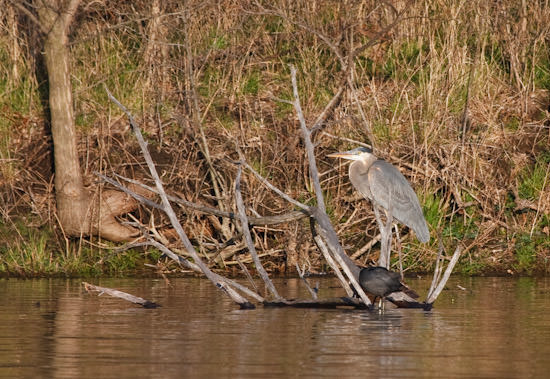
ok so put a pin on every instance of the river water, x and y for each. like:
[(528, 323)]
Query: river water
[(479, 328)]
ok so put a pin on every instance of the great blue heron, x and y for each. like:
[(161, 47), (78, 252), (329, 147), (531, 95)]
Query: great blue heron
[(381, 282), (387, 188)]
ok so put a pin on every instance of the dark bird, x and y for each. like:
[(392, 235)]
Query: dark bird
[(383, 184), (381, 282)]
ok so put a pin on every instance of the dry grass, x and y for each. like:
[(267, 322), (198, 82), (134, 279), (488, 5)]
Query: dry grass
[(456, 95)]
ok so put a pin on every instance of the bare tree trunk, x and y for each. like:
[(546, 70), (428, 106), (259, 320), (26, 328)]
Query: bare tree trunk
[(79, 213)]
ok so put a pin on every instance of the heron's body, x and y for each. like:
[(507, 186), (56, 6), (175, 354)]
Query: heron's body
[(386, 187)]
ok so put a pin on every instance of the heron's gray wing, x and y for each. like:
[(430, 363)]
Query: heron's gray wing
[(387, 185)]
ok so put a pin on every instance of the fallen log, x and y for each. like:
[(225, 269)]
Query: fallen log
[(122, 295), (399, 299)]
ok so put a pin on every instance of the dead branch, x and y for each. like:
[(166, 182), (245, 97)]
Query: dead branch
[(306, 134), (324, 226), (248, 238), (184, 262), (333, 265), (121, 295), (367, 246), (167, 208), (434, 293), (312, 291), (252, 220), (247, 273), (438, 268), (330, 303)]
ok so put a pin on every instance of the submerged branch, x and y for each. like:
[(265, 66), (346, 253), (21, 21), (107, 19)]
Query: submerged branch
[(312, 291), (336, 302)]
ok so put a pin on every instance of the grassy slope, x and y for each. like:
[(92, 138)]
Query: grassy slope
[(456, 95)]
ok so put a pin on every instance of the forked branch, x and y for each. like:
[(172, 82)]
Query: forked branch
[(167, 208)]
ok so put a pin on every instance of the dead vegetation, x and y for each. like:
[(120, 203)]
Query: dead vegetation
[(455, 94)]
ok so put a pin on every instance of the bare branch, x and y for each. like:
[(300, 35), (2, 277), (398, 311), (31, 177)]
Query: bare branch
[(247, 273), (367, 246), (266, 183), (312, 291), (248, 238), (314, 173), (172, 215), (263, 220), (126, 190), (333, 103), (31, 16), (326, 254), (433, 296), (325, 229), (438, 269), (196, 268)]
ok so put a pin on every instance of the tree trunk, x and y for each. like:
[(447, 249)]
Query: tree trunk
[(78, 211)]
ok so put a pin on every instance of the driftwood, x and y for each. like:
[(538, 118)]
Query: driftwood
[(344, 302), (121, 295), (323, 232), (336, 302), (167, 208)]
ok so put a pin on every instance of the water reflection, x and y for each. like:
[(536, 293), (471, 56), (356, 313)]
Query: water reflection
[(497, 327)]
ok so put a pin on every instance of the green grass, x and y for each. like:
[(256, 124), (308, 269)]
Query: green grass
[(525, 253), (251, 84), (473, 267), (534, 179), (33, 252)]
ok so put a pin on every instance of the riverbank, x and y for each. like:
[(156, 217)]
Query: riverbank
[(455, 95)]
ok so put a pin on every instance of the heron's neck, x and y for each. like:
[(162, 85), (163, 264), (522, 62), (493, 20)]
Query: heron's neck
[(359, 168), (368, 161)]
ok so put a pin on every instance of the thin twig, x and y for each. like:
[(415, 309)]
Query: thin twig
[(312, 291), (247, 273), (266, 183)]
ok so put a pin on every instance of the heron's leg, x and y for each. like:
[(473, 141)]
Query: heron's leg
[(384, 260), (388, 231), (378, 218), (398, 242)]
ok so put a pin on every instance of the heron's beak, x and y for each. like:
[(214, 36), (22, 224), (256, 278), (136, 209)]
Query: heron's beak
[(344, 154)]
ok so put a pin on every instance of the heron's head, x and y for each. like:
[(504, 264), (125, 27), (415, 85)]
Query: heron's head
[(357, 154)]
